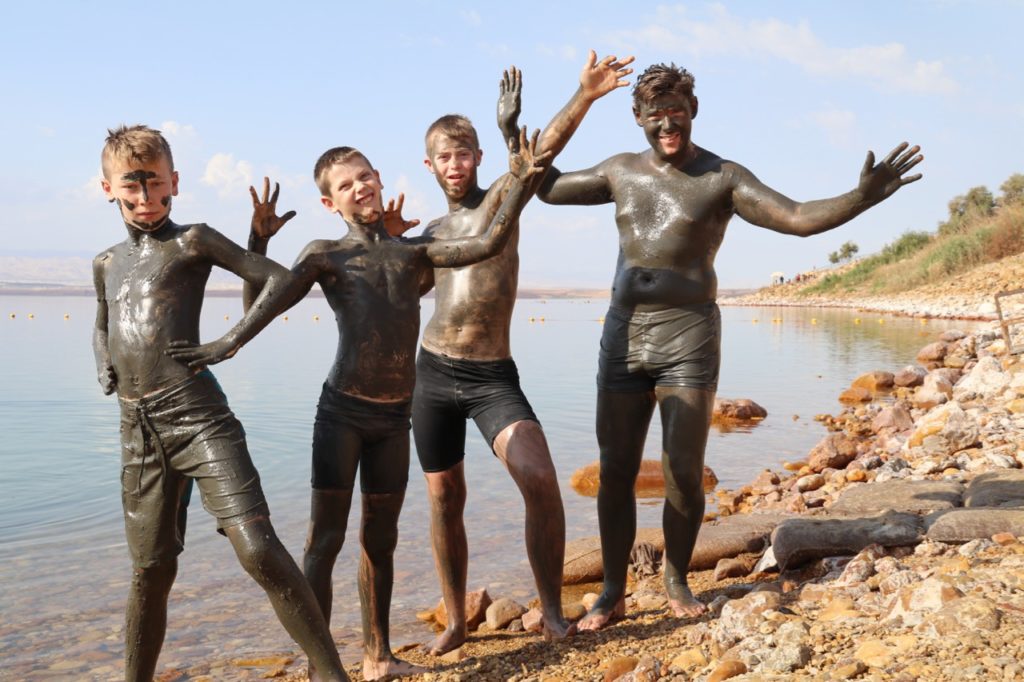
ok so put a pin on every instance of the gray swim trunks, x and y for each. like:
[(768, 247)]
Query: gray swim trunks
[(674, 347)]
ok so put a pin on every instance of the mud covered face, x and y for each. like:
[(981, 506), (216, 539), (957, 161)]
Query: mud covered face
[(142, 192), (355, 192), (453, 163), (667, 121)]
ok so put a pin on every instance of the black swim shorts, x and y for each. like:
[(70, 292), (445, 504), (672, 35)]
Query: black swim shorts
[(350, 434), (674, 347), (451, 390), (185, 431)]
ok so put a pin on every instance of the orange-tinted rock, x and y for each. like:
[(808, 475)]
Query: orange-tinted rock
[(874, 381), (477, 602), (856, 394), (650, 482), (739, 410)]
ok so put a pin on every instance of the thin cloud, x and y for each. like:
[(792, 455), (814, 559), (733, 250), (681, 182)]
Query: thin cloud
[(175, 131), (226, 175), (838, 125), (885, 66), (471, 17), (566, 52)]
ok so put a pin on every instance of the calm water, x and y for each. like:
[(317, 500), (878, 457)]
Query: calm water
[(64, 568)]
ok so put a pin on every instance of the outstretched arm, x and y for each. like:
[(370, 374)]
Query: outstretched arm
[(265, 224), (523, 166), (279, 290), (759, 204), (104, 367), (582, 188)]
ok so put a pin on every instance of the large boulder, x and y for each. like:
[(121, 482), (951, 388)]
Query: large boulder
[(650, 482), (987, 380), (893, 418), (799, 540), (874, 382), (910, 376), (1003, 489), (932, 355), (934, 390), (944, 430), (901, 496), (964, 525)]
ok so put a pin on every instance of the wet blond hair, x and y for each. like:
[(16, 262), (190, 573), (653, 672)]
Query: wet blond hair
[(454, 126), (136, 144), (333, 157)]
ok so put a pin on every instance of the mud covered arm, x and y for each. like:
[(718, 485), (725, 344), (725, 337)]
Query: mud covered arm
[(264, 225), (588, 187), (760, 205), (279, 290), (104, 367), (523, 166)]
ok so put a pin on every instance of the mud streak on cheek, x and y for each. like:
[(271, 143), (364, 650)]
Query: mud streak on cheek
[(166, 201)]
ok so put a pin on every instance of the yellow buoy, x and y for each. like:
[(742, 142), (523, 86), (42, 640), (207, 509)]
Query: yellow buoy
[(923, 321), (881, 321), (542, 319), (601, 319), (856, 320), (754, 320), (814, 320), (13, 316), (31, 316), (531, 319), (316, 318)]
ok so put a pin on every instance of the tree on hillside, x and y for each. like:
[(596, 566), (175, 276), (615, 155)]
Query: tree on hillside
[(1012, 189), (845, 253), (977, 203)]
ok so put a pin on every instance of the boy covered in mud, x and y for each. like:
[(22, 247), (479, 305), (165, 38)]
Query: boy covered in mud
[(372, 282), (176, 426)]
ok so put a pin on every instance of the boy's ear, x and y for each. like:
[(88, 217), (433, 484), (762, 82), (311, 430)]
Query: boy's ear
[(693, 107), (107, 189), (376, 173), (479, 156), (328, 204), (174, 183), (636, 117), (428, 164)]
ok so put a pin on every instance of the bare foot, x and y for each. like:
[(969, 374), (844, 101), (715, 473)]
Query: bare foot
[(600, 616), (685, 605), (389, 667), (449, 640), (562, 629)]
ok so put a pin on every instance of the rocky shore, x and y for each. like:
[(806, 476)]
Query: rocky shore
[(967, 296), (894, 551)]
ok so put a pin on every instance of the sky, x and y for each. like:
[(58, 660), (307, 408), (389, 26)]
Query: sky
[(797, 92)]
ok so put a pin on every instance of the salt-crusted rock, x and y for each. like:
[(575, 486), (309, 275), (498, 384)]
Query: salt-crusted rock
[(953, 429), (912, 602), (970, 614), (987, 380), (742, 617), (934, 390)]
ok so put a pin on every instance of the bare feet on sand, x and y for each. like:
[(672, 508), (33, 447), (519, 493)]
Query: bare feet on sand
[(602, 615), (449, 640), (684, 605), (388, 668), (560, 630)]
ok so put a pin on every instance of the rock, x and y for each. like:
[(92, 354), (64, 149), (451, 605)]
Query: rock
[(987, 379), (833, 451), (970, 614), (689, 659), (963, 525), (932, 355), (477, 602), (589, 599), (856, 394), (503, 611), (454, 656), (767, 562), (573, 612), (650, 482), (1003, 489), (619, 666), (874, 382), (731, 536), (735, 567), (894, 418), (742, 617), (911, 603), (934, 390), (847, 669), (953, 429), (910, 376), (808, 483), (902, 496), (740, 410), (791, 651), (840, 608), (727, 669), (952, 335), (796, 541), (533, 621), (1004, 539), (879, 653)]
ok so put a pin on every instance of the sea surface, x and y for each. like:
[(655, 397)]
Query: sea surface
[(64, 567)]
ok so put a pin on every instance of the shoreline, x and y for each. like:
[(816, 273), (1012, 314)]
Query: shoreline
[(895, 550)]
